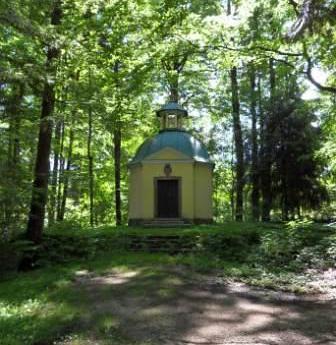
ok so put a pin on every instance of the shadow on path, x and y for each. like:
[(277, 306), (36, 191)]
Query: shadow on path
[(166, 306)]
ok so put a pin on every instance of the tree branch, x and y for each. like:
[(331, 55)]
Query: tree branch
[(277, 51), (303, 21), (295, 6), (314, 82), (310, 76)]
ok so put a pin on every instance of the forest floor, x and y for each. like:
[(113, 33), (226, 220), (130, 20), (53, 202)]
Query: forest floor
[(149, 299), (171, 306)]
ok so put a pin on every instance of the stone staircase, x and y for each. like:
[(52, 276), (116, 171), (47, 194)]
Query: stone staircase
[(166, 223), (166, 244)]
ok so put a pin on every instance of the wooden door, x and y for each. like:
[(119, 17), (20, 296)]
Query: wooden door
[(168, 198)]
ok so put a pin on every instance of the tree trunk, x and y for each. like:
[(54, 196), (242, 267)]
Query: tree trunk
[(272, 80), (40, 185), (254, 139), (10, 204), (54, 177), (90, 166), (117, 170), (41, 174), (266, 166), (216, 193), (283, 170), (174, 87), (117, 154), (17, 125), (60, 171), (233, 181), (66, 175), (228, 7), (239, 148)]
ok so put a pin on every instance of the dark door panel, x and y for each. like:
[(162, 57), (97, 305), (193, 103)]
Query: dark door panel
[(168, 198)]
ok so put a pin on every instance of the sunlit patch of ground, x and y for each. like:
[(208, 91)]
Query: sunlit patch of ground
[(203, 310), (324, 282)]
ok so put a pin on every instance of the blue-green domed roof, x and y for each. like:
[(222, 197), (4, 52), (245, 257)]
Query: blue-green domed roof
[(179, 140)]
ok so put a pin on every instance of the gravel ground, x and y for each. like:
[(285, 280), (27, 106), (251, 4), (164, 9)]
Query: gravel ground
[(171, 308), (325, 282)]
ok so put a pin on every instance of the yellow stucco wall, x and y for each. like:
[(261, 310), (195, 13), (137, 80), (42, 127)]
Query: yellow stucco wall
[(167, 153), (195, 179), (203, 191), (135, 192)]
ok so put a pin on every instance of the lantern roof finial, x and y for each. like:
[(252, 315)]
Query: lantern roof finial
[(172, 108)]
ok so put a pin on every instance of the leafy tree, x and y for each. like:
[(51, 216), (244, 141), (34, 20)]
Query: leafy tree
[(40, 185), (296, 171)]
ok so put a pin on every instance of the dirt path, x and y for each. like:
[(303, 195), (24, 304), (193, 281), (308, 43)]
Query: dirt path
[(169, 307)]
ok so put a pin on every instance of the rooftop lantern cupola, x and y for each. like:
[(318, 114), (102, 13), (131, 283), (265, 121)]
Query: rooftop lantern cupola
[(171, 115)]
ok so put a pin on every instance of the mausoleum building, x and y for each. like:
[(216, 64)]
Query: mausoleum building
[(171, 175)]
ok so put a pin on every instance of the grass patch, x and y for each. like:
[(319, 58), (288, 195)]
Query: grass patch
[(44, 305)]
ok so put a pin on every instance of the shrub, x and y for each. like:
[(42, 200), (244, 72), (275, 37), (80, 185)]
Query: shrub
[(12, 254), (230, 246), (298, 244)]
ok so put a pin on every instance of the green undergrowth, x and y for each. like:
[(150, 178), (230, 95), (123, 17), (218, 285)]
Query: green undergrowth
[(73, 229), (292, 246), (66, 241)]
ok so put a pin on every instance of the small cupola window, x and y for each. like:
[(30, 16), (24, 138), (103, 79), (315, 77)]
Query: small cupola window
[(171, 116)]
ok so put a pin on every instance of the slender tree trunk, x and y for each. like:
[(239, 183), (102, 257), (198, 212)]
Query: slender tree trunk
[(17, 125), (58, 163), (117, 171), (41, 174), (261, 158), (266, 185), (266, 173), (54, 177), (238, 138), (216, 193), (66, 175), (174, 88), (238, 183), (14, 112), (233, 183), (255, 163), (117, 154), (272, 80), (60, 172), (90, 166), (11, 128), (283, 171), (13, 155), (228, 7), (16, 149)]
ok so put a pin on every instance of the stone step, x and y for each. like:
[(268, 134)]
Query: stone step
[(166, 223), (165, 226), (172, 244)]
